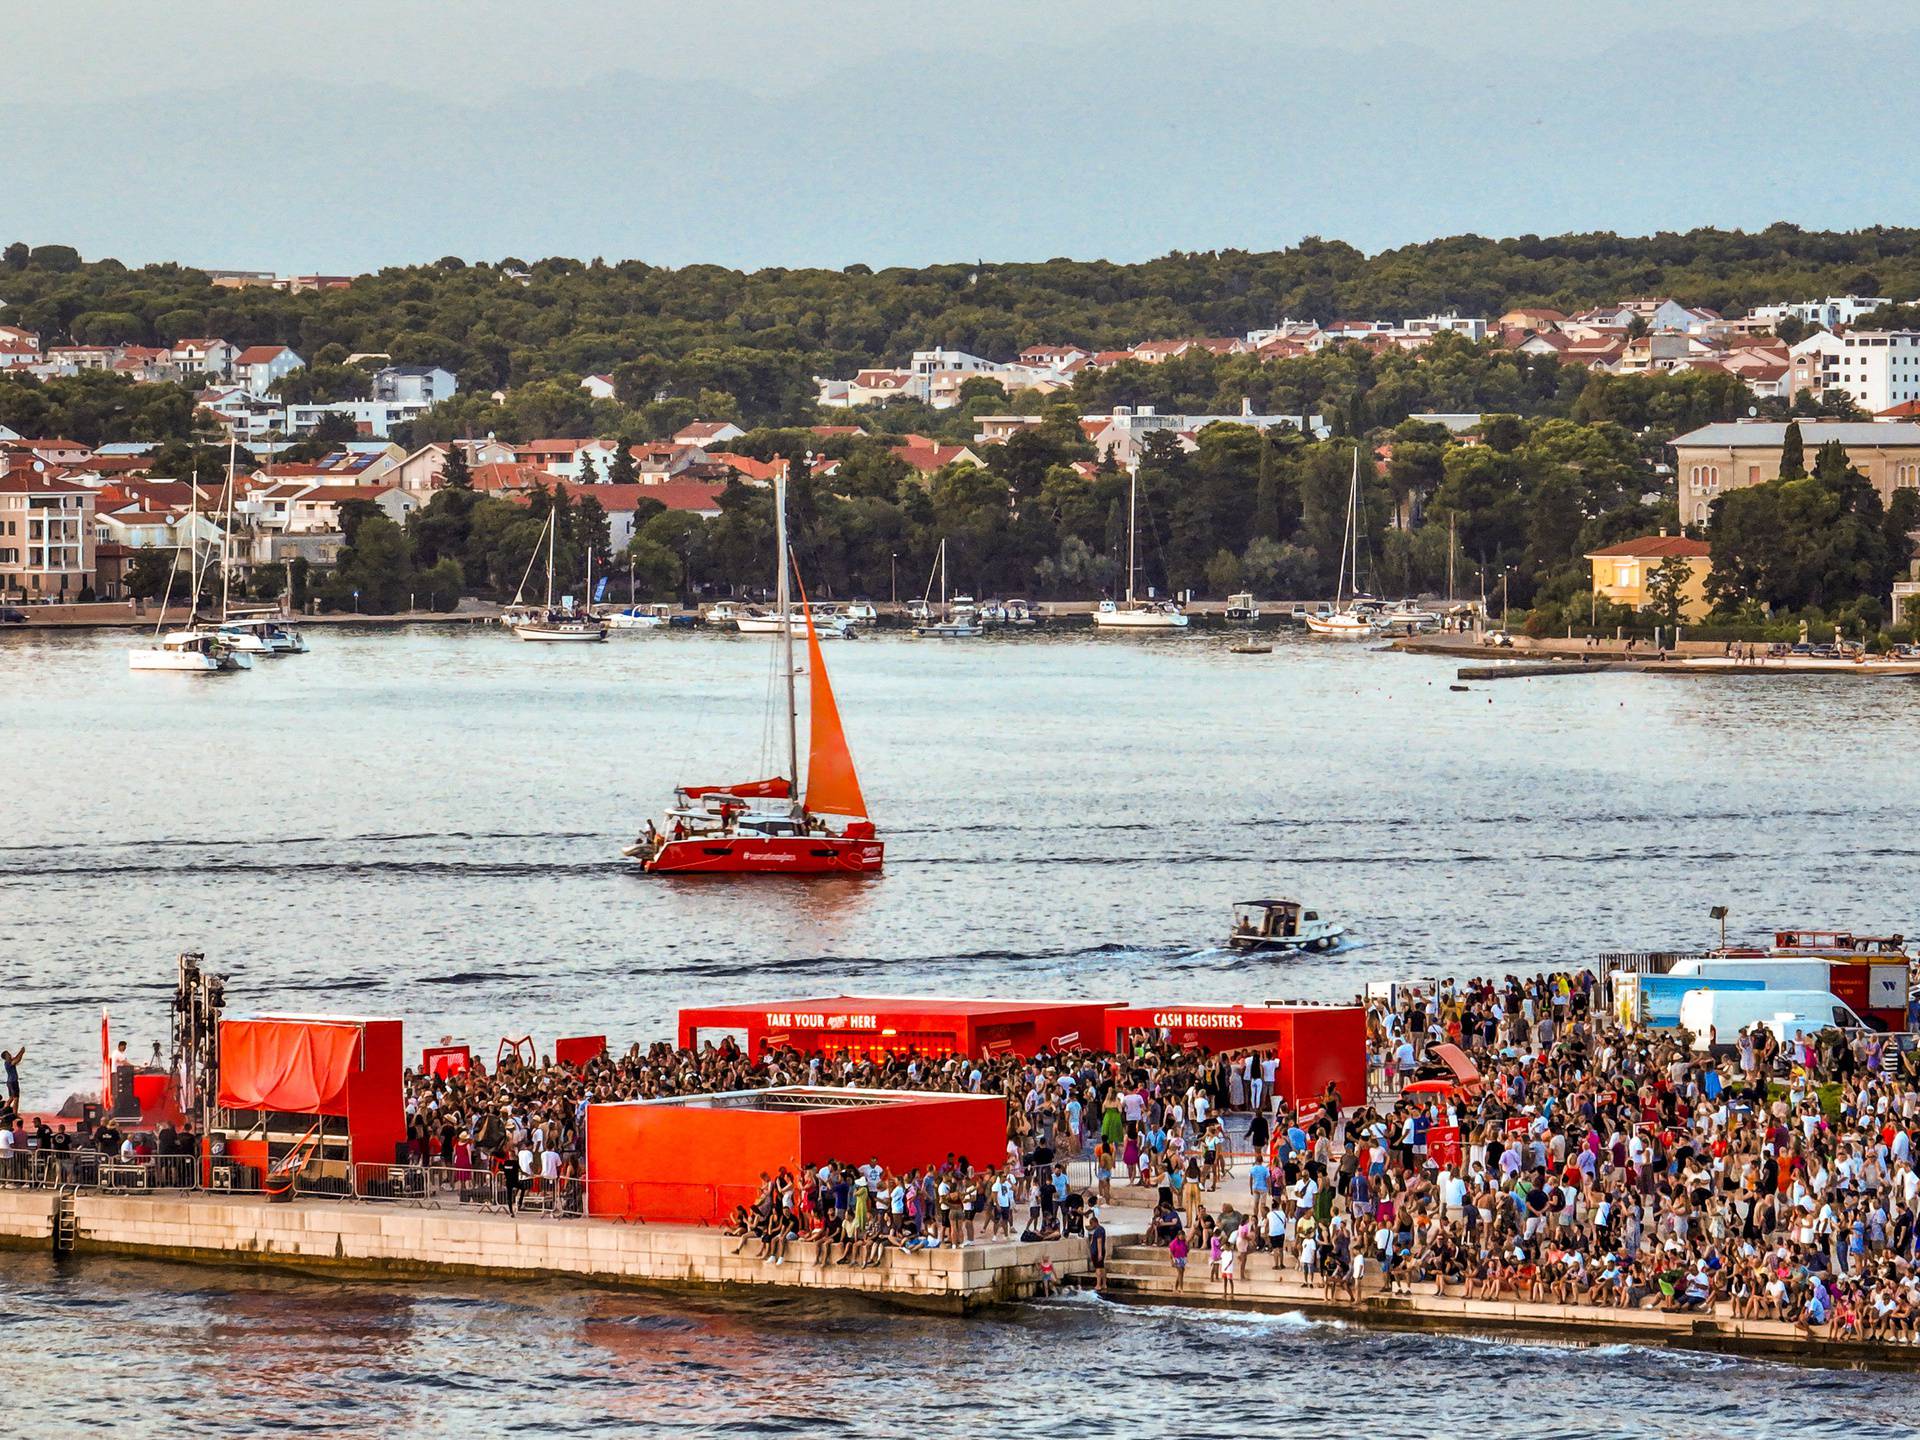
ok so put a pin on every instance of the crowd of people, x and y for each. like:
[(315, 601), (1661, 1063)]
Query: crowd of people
[(1518, 1143), (1570, 1159)]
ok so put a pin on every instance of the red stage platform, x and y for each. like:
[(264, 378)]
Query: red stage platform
[(691, 1159), (283, 1075), (1312, 1043), (894, 1024)]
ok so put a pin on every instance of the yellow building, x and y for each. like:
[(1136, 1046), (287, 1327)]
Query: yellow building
[(1621, 572)]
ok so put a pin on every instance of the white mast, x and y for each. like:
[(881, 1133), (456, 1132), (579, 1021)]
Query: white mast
[(553, 531), (943, 574), (226, 533), (783, 607), (1346, 535), (1133, 509)]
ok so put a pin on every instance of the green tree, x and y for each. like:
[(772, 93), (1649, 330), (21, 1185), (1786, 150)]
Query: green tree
[(375, 563), (1666, 588), (1793, 462)]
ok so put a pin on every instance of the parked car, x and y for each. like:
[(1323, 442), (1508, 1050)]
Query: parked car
[(1501, 638)]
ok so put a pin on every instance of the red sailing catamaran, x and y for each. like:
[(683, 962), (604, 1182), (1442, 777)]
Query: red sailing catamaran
[(775, 826)]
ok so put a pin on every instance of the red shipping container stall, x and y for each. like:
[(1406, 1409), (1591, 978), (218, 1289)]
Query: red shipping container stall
[(691, 1159), (444, 1060), (1312, 1044), (896, 1024), (283, 1074), (579, 1050)]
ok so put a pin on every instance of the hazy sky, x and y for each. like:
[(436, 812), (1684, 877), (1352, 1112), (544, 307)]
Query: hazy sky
[(341, 135)]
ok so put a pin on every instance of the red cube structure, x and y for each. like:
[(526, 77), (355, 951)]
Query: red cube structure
[(894, 1024), (336, 1077), (1313, 1044), (692, 1158)]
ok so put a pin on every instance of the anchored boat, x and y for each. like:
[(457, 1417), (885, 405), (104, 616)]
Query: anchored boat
[(777, 826)]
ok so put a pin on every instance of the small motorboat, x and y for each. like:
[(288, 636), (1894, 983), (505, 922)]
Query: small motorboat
[(1282, 925), (1242, 609), (1250, 648), (637, 617)]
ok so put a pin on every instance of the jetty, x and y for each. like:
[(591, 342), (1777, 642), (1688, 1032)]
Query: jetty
[(397, 1240), (1528, 669)]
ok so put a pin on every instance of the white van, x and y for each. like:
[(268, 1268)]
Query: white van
[(1789, 1014), (1774, 972)]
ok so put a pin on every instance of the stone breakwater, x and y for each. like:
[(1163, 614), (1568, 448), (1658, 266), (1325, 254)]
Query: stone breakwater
[(413, 1242)]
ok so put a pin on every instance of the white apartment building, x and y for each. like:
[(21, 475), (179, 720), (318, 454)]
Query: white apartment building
[(1832, 311), (1473, 327), (1877, 368)]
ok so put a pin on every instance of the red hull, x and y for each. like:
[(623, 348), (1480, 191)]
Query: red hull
[(768, 855)]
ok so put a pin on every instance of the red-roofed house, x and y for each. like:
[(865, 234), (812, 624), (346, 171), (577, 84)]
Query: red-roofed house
[(25, 454), (46, 537), (18, 348), (1621, 572), (926, 456), (704, 433), (665, 460), (503, 477), (203, 356), (624, 503), (567, 458), (258, 366), (760, 472)]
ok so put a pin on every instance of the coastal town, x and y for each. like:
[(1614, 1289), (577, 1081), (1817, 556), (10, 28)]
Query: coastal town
[(277, 478), (1033, 721)]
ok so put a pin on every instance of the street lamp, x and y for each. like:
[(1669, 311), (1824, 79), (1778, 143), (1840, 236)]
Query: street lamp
[(1719, 912)]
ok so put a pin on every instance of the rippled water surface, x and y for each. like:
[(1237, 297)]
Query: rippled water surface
[(427, 823)]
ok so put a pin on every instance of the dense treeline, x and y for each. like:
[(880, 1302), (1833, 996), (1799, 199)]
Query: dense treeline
[(748, 344)]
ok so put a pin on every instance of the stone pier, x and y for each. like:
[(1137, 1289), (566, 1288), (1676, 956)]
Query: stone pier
[(394, 1240)]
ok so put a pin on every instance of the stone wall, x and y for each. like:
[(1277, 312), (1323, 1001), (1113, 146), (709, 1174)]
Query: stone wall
[(395, 1240)]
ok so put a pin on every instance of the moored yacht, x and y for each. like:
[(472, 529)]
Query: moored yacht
[(1349, 620), (193, 652), (1137, 614), (562, 622)]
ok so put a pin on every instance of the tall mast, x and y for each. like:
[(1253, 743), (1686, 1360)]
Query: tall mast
[(226, 532), (1133, 510), (552, 535), (782, 607), (1346, 535), (1354, 569)]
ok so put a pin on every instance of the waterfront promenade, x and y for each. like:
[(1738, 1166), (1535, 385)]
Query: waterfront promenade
[(404, 1244), (399, 1240)]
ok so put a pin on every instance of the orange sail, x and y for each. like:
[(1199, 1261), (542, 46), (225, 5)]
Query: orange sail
[(832, 786)]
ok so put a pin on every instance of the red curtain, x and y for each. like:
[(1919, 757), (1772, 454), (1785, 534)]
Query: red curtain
[(293, 1065)]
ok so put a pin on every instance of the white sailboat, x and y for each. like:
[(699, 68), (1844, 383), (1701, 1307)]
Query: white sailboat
[(956, 621), (1137, 614), (1347, 622), (194, 650), (244, 639), (551, 622)]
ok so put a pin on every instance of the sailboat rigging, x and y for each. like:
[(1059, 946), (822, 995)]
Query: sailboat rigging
[(564, 622), (1137, 614), (1348, 621)]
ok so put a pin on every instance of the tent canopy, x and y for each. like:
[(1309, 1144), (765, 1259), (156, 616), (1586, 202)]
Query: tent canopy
[(298, 1066)]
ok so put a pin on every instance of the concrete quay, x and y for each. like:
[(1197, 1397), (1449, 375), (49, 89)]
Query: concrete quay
[(1144, 1274), (398, 1241)]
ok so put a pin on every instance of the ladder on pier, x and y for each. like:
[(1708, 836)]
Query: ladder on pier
[(66, 1226)]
